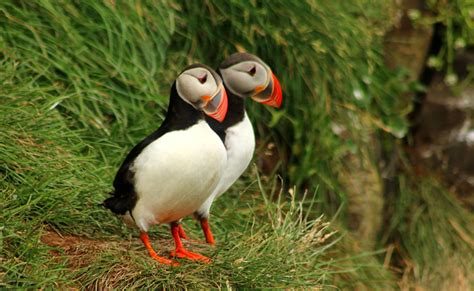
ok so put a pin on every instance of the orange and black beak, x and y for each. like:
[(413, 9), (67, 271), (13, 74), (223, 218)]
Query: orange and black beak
[(216, 106), (271, 94)]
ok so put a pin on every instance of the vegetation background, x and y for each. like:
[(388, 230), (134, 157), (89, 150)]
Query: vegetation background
[(334, 200)]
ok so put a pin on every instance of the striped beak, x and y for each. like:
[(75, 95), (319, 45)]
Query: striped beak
[(271, 94), (216, 106)]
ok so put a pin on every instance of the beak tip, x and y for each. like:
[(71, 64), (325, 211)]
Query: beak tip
[(278, 95)]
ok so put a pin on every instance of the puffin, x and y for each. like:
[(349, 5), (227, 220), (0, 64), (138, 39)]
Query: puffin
[(174, 170), (244, 75)]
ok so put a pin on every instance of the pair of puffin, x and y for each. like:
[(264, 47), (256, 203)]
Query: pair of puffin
[(202, 147)]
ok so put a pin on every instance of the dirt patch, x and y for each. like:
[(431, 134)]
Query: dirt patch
[(79, 251), (82, 251)]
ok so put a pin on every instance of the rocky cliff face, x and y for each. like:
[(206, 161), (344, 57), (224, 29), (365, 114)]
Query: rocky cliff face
[(444, 132)]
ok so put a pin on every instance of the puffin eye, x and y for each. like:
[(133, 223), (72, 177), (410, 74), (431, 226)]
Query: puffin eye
[(252, 71), (202, 79)]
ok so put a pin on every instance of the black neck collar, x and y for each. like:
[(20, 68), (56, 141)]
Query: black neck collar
[(235, 114), (180, 114)]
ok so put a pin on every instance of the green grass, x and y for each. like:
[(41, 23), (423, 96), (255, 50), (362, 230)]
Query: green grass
[(52, 181), (323, 52), (433, 233), (83, 81)]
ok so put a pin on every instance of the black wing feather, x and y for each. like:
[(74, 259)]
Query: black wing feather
[(124, 196)]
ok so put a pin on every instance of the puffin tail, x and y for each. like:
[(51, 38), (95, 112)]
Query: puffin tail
[(119, 204)]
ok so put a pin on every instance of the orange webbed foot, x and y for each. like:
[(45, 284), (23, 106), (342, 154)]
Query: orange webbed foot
[(185, 254), (146, 241), (180, 252), (164, 261)]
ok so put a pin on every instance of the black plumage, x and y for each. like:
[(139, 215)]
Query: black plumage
[(235, 114)]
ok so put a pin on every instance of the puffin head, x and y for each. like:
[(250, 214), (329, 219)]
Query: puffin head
[(245, 75), (201, 87)]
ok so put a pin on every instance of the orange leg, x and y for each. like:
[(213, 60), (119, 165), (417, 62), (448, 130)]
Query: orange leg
[(180, 252), (146, 241), (182, 234), (207, 231)]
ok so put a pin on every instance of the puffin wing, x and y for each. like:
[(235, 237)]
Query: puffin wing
[(124, 196)]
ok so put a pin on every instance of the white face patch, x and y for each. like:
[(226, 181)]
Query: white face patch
[(195, 83), (243, 78)]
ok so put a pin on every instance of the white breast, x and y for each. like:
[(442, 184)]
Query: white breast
[(240, 145), (176, 173)]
